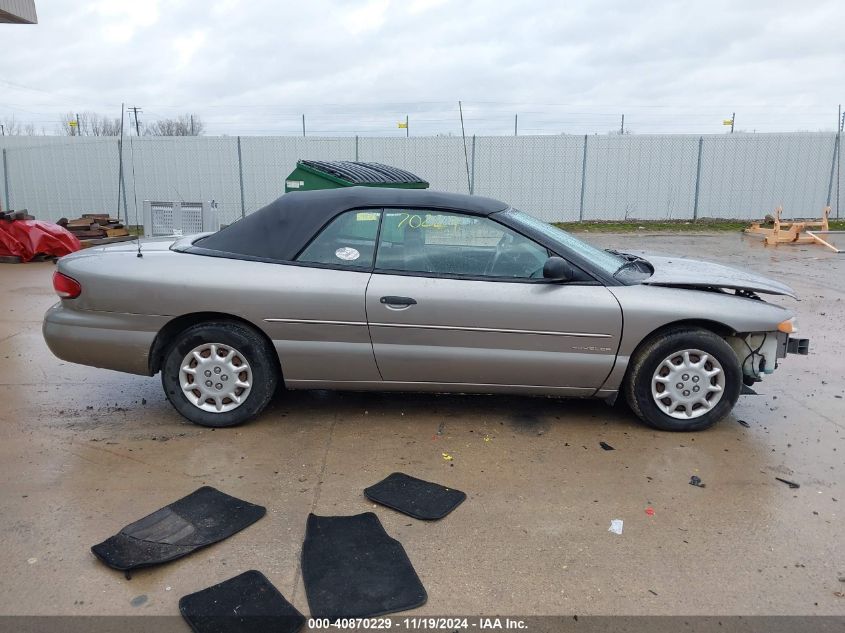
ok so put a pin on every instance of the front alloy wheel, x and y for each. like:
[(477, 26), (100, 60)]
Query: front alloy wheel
[(688, 384), (683, 379)]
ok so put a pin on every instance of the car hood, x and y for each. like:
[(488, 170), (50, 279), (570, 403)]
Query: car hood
[(693, 273)]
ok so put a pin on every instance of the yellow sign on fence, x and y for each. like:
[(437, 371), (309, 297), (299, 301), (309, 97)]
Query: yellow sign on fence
[(402, 124), (727, 122)]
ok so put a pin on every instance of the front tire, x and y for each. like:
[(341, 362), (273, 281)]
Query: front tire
[(683, 380), (219, 374)]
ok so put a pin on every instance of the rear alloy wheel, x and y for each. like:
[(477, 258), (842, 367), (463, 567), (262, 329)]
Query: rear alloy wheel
[(219, 374), (215, 377), (683, 380)]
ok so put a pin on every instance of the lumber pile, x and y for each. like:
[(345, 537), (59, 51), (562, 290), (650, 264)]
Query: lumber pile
[(95, 229), (15, 215)]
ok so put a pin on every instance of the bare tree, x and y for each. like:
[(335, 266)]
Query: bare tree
[(67, 124), (101, 125), (184, 125), (89, 124), (11, 127)]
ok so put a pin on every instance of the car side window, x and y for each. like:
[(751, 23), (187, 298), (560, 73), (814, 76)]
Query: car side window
[(456, 244), (347, 241)]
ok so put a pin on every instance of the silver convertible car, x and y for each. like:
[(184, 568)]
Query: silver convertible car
[(411, 290)]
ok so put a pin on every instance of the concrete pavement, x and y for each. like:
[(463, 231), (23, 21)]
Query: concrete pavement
[(84, 451)]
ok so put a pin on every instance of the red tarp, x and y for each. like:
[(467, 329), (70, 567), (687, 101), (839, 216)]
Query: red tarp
[(27, 238)]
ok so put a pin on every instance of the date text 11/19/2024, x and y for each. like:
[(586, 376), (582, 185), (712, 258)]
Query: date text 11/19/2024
[(420, 623)]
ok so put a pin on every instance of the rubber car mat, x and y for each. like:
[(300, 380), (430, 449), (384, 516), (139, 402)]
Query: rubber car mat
[(203, 517), (247, 603), (415, 497), (352, 568)]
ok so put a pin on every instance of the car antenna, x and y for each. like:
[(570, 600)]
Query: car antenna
[(135, 192)]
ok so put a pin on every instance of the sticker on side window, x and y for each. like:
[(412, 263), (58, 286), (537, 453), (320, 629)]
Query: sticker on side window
[(347, 253), (365, 216)]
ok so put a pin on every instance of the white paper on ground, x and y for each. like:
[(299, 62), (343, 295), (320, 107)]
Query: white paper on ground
[(615, 526)]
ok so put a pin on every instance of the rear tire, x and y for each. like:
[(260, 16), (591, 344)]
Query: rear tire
[(219, 374), (670, 388)]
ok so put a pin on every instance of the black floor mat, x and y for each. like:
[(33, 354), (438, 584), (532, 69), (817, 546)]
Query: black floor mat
[(351, 568), (203, 517), (248, 603), (415, 497)]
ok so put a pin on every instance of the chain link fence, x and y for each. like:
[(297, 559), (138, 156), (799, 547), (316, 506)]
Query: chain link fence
[(556, 178)]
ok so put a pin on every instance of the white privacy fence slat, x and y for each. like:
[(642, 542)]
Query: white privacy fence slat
[(556, 178)]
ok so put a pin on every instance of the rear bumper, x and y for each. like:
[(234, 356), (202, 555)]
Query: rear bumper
[(109, 340)]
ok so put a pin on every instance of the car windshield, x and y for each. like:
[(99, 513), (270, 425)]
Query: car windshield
[(608, 262)]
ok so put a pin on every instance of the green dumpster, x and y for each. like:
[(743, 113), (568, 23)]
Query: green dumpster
[(319, 174)]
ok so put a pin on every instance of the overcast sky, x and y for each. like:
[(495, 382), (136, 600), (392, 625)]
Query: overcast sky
[(254, 66)]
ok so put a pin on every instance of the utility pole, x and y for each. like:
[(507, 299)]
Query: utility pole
[(622, 129), (733, 119), (841, 123), (120, 167), (135, 110), (78, 129), (466, 155), (303, 125), (516, 125), (2, 130), (192, 125), (407, 129)]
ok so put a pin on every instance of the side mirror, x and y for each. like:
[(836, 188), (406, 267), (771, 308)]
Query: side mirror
[(558, 269)]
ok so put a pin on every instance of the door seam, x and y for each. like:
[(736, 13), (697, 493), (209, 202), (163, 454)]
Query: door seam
[(369, 329)]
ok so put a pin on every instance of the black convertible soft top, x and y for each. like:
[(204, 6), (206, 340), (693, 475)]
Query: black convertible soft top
[(279, 231)]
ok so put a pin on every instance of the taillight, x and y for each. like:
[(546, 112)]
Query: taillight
[(66, 287)]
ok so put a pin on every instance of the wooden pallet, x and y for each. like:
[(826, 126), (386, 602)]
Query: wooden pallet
[(790, 232)]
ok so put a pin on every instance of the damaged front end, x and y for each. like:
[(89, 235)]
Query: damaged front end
[(759, 352)]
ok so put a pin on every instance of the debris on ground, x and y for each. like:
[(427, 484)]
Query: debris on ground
[(695, 480), (791, 484), (649, 511), (615, 526), (606, 446), (448, 457), (744, 423)]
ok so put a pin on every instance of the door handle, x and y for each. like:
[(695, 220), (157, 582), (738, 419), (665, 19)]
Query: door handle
[(398, 301)]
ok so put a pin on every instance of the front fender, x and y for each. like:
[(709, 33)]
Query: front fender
[(647, 309)]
